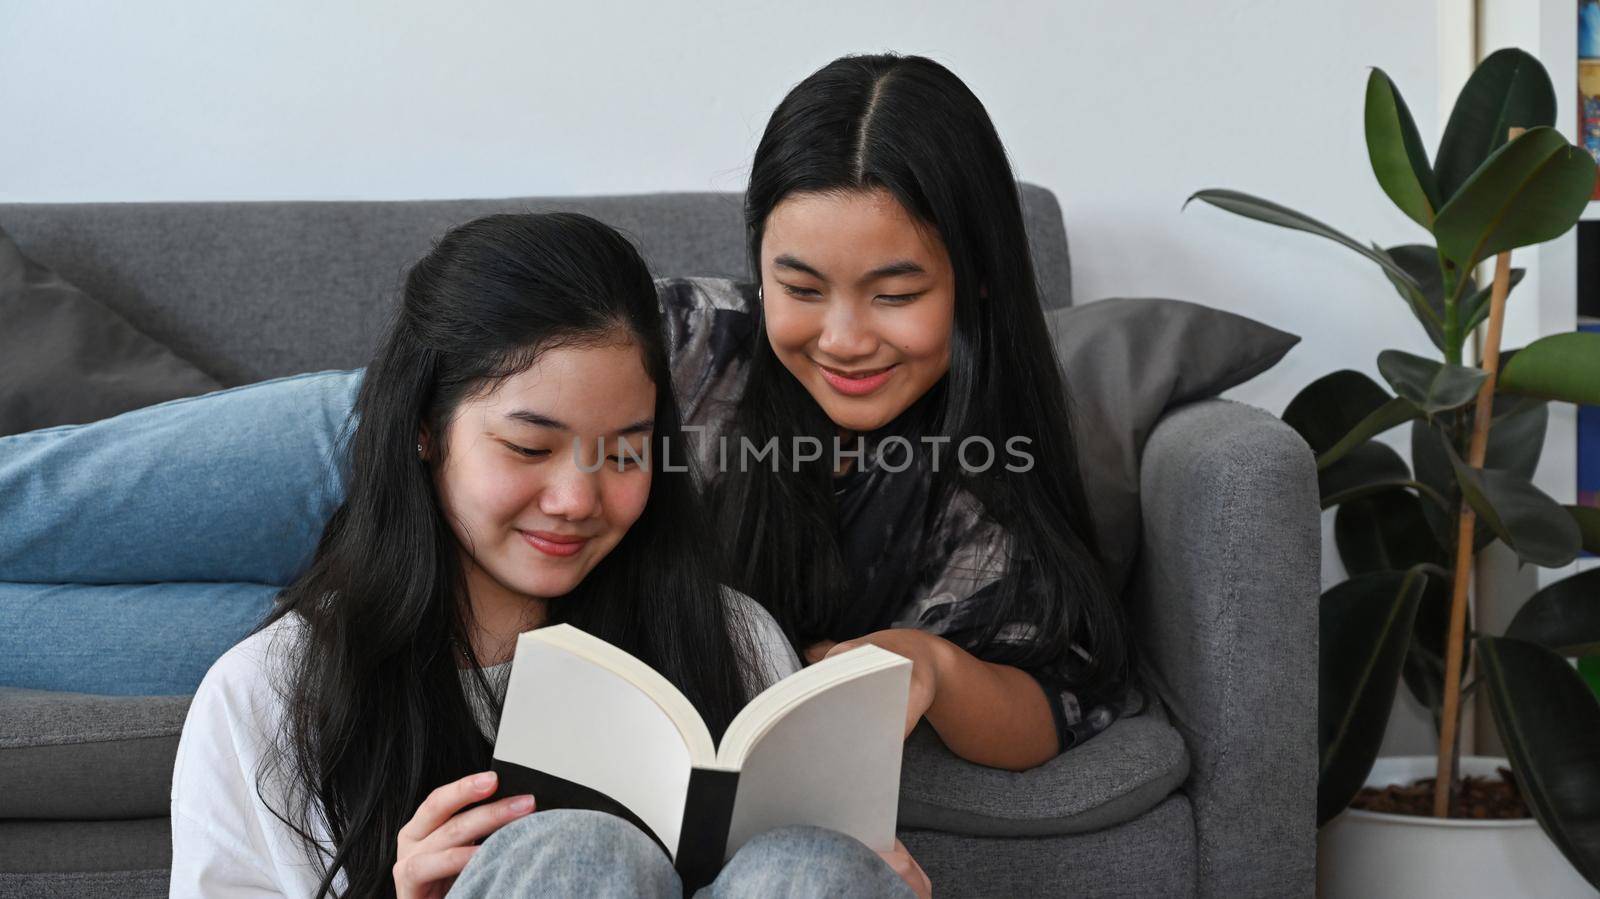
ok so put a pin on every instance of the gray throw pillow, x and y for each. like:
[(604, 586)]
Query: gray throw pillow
[(1126, 362), (67, 359)]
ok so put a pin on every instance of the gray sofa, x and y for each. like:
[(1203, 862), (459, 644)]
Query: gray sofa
[(1209, 794)]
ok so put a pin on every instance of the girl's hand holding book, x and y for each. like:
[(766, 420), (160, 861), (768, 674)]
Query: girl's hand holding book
[(926, 652), (903, 864), (440, 838)]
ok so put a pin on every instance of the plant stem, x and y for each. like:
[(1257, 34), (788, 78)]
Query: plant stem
[(1444, 780), (1452, 327), (1456, 281)]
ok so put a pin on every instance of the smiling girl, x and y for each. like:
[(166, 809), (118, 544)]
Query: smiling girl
[(897, 317)]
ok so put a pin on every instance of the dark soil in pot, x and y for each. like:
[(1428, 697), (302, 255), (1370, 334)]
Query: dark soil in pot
[(1487, 798)]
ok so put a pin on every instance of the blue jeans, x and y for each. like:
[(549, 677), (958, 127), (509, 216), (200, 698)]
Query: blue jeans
[(137, 549), (566, 852)]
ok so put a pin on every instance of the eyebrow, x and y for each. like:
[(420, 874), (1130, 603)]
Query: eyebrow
[(528, 416), (898, 267)]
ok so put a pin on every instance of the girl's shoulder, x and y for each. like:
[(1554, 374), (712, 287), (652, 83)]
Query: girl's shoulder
[(710, 327), (242, 696), (257, 661), (228, 838), (686, 296)]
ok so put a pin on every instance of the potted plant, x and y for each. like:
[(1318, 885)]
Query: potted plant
[(1503, 178)]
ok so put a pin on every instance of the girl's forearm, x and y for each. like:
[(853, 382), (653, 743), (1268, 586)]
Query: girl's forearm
[(990, 714)]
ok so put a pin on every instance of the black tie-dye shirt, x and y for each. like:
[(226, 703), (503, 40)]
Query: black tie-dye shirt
[(908, 565)]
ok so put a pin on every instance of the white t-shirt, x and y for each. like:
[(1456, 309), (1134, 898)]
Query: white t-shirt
[(225, 841)]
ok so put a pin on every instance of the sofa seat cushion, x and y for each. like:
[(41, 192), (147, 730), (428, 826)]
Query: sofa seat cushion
[(1155, 854), (1119, 775), (76, 756), (75, 847), (148, 883)]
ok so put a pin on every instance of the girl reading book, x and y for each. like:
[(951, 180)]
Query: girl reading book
[(343, 748)]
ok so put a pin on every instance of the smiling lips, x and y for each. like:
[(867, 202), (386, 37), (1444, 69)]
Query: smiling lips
[(855, 383), (554, 544)]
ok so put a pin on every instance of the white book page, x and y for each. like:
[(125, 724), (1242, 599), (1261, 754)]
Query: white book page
[(571, 718), (833, 761)]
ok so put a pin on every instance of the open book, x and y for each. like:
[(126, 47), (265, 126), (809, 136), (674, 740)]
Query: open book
[(586, 725)]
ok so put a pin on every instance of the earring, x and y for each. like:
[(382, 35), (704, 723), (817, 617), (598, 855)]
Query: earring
[(419, 450)]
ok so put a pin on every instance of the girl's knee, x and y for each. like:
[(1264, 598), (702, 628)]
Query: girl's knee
[(568, 852), (571, 829), (806, 861)]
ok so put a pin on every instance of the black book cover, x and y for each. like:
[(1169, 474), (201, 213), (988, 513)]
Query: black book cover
[(707, 813)]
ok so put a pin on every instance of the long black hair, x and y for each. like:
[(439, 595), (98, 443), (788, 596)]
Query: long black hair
[(909, 126), (376, 713)]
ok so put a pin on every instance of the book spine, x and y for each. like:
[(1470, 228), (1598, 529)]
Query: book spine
[(707, 815)]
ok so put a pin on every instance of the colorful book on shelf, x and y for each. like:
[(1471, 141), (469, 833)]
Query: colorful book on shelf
[(1589, 442), (1589, 110)]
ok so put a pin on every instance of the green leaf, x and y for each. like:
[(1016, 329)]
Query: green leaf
[(1432, 466), (1396, 411), (1562, 367), (1516, 434), (1426, 299), (1563, 617), (1365, 626), (1384, 532), (1549, 722), (1508, 89), (1369, 464), (1396, 152), (1423, 671), (1273, 214), (1515, 443), (1327, 408), (1532, 524), (1529, 191), (1588, 519), (1430, 386)]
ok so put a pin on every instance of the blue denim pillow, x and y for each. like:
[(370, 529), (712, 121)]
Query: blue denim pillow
[(135, 550)]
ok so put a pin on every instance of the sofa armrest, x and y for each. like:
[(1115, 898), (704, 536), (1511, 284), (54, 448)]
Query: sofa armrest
[(1224, 605)]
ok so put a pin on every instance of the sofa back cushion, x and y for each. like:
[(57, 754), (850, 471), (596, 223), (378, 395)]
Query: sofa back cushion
[(249, 291)]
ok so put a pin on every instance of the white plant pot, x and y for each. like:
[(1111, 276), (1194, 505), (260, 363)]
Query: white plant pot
[(1373, 855)]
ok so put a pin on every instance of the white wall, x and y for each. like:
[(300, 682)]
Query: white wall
[(1122, 109)]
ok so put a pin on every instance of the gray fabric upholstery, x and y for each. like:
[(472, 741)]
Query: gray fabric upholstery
[(1128, 360), (248, 291), (1224, 598), (67, 359), (1150, 856), (1115, 777), (73, 755), (34, 847), (149, 883)]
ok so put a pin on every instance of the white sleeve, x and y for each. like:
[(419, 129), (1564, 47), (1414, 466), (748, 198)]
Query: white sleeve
[(775, 657), (225, 841)]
